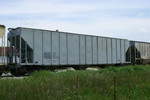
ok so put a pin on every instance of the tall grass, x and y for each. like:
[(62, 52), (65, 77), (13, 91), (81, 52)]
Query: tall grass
[(132, 83)]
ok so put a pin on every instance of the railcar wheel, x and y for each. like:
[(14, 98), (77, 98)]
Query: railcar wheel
[(1, 73), (80, 67), (21, 71), (14, 72)]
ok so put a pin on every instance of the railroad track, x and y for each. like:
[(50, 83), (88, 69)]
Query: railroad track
[(9, 76)]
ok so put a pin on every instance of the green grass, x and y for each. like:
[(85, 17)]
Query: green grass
[(132, 83)]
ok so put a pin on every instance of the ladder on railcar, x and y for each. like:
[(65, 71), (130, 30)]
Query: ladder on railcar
[(2, 45)]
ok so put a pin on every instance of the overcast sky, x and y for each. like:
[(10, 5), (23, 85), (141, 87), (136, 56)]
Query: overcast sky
[(128, 19)]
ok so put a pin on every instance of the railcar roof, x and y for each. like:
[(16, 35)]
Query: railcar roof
[(81, 34), (71, 33)]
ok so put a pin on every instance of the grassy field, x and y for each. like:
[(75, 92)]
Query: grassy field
[(131, 83)]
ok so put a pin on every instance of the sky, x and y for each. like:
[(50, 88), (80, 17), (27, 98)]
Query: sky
[(127, 19)]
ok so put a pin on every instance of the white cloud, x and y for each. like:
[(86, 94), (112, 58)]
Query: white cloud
[(140, 14), (78, 16), (144, 30), (127, 28), (58, 6)]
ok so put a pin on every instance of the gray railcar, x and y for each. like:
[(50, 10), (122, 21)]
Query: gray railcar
[(36, 47), (140, 52)]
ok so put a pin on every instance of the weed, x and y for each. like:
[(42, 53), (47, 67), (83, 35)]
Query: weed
[(131, 82)]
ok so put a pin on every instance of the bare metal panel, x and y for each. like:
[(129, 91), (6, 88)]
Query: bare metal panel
[(122, 51), (137, 45), (63, 49), (55, 48), (73, 49), (118, 51), (146, 50), (143, 55), (127, 47), (95, 60), (141, 49), (47, 55), (146, 56), (104, 51), (100, 50), (88, 50), (102, 56), (114, 53), (82, 49), (109, 50), (38, 47), (27, 35)]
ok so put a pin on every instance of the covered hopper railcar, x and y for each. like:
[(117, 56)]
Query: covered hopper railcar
[(39, 49), (140, 52)]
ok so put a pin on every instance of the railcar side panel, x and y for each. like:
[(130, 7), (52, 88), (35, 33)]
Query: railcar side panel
[(122, 51), (88, 50), (73, 49), (137, 48), (114, 53), (127, 54), (47, 48), (118, 51), (94, 49), (82, 50), (63, 49), (27, 35), (146, 51), (141, 49), (102, 55), (55, 48), (38, 47), (109, 50)]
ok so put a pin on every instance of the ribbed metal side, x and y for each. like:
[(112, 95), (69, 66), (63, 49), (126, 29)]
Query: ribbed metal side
[(2, 45)]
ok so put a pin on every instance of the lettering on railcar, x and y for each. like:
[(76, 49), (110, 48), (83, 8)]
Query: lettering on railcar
[(50, 55), (47, 55)]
